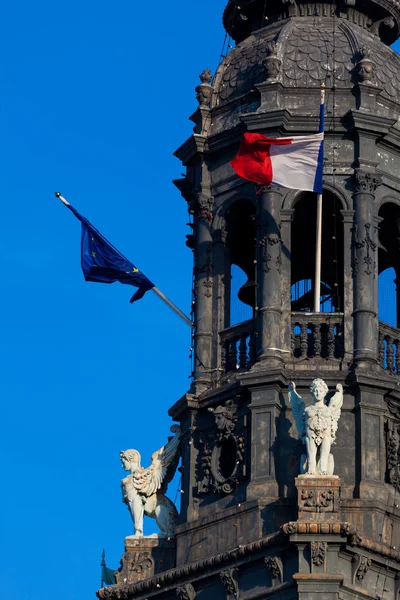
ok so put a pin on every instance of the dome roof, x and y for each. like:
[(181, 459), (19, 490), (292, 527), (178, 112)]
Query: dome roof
[(308, 56)]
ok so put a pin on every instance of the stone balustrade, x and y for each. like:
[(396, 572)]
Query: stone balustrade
[(238, 346), (317, 335), (389, 348), (314, 335)]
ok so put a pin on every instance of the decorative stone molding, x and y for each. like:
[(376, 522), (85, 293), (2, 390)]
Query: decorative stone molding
[(204, 91), (275, 567), (228, 579), (145, 557), (203, 273), (318, 551), (186, 592)]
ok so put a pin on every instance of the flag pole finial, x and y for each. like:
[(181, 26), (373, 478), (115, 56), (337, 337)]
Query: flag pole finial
[(57, 194)]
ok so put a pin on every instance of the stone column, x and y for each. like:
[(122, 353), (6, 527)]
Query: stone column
[(222, 288), (364, 250), (269, 264), (203, 292), (347, 300), (286, 321)]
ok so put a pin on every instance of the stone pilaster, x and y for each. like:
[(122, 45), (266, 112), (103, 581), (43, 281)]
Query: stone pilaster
[(364, 266), (222, 290), (269, 266)]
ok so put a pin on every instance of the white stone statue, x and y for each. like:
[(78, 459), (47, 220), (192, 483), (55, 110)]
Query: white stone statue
[(317, 425), (143, 490)]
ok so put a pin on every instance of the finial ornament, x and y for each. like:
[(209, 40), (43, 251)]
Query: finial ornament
[(205, 89), (143, 489), (365, 66), (317, 425), (272, 63)]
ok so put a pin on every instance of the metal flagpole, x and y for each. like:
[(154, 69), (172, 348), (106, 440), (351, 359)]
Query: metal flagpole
[(155, 289), (173, 306), (317, 280)]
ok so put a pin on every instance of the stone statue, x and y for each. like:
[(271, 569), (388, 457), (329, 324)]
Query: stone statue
[(317, 425), (143, 490)]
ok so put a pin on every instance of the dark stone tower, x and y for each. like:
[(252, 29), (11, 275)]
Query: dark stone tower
[(249, 527)]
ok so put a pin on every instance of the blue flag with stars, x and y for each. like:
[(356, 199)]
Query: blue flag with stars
[(103, 263)]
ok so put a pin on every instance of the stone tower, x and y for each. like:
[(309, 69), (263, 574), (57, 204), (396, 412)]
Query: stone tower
[(249, 526)]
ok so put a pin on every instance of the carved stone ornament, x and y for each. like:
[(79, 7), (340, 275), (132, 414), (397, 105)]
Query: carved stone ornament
[(317, 425), (186, 592), (143, 489), (363, 250), (203, 273), (366, 183), (361, 564), (393, 455), (204, 91), (221, 460), (365, 66), (272, 63), (230, 584), (318, 551), (269, 241), (274, 566)]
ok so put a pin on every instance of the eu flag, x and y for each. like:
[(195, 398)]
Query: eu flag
[(103, 263)]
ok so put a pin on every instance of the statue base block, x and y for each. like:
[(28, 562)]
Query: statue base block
[(145, 557), (318, 497)]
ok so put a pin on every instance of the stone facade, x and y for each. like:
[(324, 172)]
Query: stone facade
[(249, 526)]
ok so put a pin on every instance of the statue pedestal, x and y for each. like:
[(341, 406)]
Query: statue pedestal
[(145, 557), (318, 497)]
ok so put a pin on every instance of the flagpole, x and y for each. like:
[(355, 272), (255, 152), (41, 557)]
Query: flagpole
[(318, 241), (173, 306), (155, 289)]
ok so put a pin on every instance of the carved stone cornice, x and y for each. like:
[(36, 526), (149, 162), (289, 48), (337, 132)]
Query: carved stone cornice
[(212, 563), (365, 182)]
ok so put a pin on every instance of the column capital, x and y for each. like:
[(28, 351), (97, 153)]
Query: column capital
[(366, 182)]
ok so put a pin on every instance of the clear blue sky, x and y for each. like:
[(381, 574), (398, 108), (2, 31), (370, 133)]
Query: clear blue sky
[(95, 97)]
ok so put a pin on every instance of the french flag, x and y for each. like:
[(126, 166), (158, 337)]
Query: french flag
[(291, 162)]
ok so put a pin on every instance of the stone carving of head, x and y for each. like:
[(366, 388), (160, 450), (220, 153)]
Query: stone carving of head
[(318, 389), (129, 459)]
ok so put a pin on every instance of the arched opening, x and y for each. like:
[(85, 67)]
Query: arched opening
[(241, 242), (389, 264), (303, 253)]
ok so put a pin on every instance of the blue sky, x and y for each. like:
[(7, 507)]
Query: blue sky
[(95, 97)]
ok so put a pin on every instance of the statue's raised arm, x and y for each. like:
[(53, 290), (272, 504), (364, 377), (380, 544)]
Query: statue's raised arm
[(144, 489), (298, 408)]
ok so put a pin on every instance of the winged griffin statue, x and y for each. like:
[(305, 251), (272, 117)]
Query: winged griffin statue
[(143, 489), (317, 425)]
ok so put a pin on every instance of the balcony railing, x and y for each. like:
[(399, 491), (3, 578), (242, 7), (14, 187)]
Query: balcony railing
[(238, 345), (318, 335), (389, 348)]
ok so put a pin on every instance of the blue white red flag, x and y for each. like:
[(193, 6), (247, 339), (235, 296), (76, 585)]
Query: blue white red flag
[(291, 162)]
